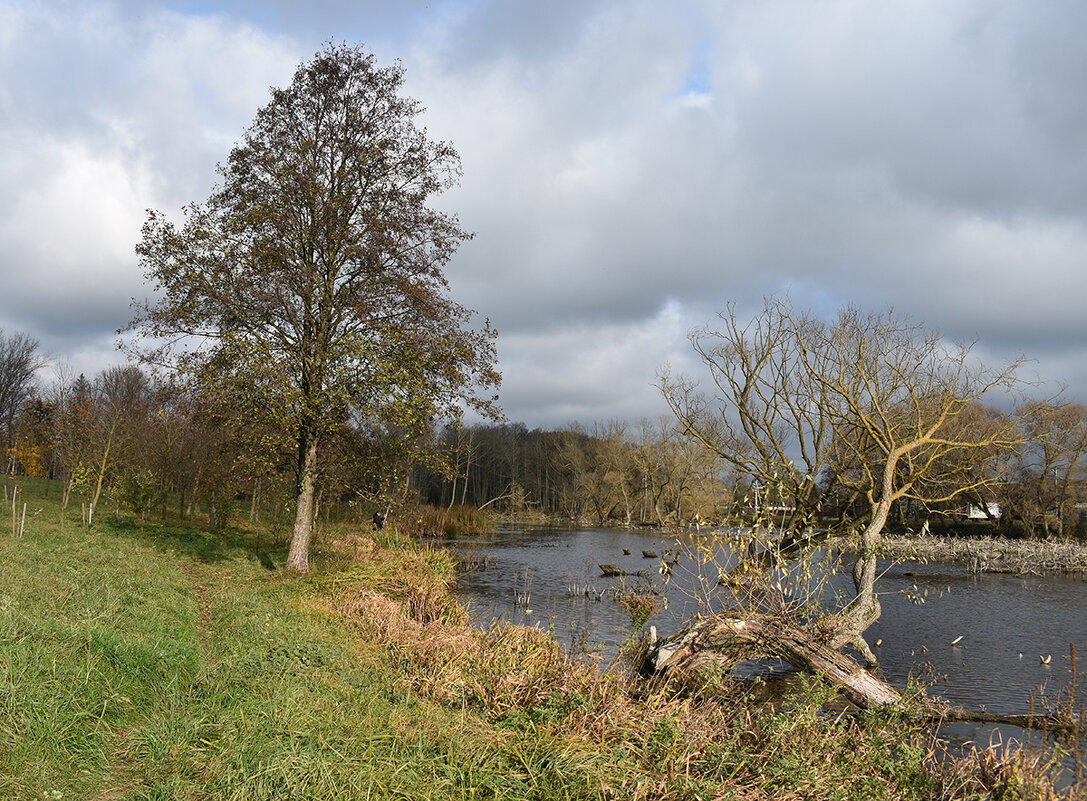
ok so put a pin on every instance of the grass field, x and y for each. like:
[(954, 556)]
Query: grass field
[(155, 661)]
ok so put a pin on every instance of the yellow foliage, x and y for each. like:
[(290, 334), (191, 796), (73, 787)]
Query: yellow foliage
[(27, 457)]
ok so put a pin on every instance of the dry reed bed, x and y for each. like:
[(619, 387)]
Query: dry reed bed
[(992, 554)]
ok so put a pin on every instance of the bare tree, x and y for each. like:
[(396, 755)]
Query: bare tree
[(122, 392), (872, 406), (19, 364), (1046, 473)]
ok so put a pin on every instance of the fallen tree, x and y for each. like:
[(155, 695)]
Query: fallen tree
[(725, 636)]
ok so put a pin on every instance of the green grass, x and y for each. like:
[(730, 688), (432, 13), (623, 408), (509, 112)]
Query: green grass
[(155, 661)]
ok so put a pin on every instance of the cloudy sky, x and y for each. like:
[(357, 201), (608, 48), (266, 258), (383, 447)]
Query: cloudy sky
[(630, 168)]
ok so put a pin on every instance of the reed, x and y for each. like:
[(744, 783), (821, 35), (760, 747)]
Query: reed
[(992, 554)]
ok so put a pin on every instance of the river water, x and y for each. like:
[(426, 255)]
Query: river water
[(1004, 625)]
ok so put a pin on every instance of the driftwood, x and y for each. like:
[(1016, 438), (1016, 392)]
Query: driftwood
[(615, 570), (722, 637)]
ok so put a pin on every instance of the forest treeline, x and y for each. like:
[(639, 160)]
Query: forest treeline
[(147, 446), (142, 445), (645, 475), (651, 475)]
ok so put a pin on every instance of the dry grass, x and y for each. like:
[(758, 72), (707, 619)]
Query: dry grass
[(1008, 772)]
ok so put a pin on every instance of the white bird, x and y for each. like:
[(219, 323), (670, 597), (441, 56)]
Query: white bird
[(1045, 660), (956, 640)]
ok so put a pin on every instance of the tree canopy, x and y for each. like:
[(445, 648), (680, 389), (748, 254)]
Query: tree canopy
[(309, 289)]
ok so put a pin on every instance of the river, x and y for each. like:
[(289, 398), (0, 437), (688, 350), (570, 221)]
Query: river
[(980, 640)]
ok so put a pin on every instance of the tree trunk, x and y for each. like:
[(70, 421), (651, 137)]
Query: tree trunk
[(254, 502), (864, 609), (723, 638), (298, 556), (467, 472), (102, 467)]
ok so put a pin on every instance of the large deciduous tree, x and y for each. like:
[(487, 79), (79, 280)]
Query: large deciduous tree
[(310, 286), (874, 409)]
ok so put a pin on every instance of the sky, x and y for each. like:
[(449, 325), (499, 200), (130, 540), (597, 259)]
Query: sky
[(630, 168)]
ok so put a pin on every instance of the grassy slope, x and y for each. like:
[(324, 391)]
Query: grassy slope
[(159, 662)]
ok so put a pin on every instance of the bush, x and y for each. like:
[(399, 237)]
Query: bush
[(136, 490)]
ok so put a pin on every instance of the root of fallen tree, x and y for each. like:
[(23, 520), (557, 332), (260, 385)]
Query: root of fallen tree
[(729, 637)]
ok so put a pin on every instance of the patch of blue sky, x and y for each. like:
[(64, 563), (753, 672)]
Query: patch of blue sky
[(327, 20), (198, 8), (698, 85)]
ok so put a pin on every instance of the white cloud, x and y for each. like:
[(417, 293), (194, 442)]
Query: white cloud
[(89, 200), (592, 371)]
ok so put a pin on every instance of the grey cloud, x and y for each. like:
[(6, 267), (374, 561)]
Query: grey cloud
[(620, 159), (948, 104)]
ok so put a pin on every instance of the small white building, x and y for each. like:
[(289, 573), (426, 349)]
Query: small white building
[(975, 512)]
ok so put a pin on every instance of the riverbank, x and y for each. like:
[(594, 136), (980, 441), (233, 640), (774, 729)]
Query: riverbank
[(152, 661)]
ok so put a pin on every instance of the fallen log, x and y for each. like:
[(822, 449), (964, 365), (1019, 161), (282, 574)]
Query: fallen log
[(609, 570), (943, 712)]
